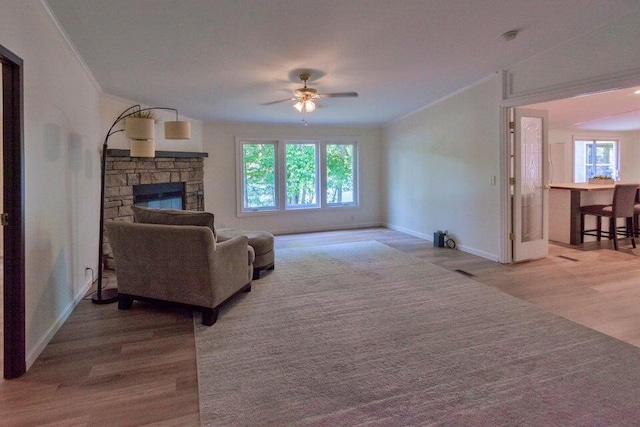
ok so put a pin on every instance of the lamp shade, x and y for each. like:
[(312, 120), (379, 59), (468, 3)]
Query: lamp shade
[(143, 148), (177, 130), (139, 128)]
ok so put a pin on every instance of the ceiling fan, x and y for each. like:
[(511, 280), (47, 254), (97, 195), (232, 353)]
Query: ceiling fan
[(307, 96)]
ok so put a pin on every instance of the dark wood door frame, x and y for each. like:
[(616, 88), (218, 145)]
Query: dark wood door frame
[(13, 199)]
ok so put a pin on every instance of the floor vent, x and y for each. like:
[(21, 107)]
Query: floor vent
[(568, 257), (466, 273)]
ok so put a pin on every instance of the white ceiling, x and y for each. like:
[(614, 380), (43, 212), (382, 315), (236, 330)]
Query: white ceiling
[(617, 110), (218, 60)]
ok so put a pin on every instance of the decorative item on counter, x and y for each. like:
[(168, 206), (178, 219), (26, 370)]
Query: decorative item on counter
[(601, 180)]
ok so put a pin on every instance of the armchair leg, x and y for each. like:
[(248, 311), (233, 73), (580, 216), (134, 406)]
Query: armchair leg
[(209, 316), (124, 302), (256, 271)]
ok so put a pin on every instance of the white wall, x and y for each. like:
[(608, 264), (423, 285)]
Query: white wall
[(220, 178), (439, 166), (62, 140), (629, 143)]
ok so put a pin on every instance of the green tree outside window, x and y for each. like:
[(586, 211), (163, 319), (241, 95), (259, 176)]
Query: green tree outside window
[(339, 173), (259, 177), (302, 176)]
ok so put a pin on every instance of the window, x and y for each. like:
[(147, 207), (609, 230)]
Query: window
[(259, 176), (340, 165), (302, 174), (296, 174), (594, 158)]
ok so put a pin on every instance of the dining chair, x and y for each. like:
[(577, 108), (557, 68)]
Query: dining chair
[(624, 197), (636, 214)]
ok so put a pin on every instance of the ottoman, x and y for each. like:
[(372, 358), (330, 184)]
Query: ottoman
[(260, 241)]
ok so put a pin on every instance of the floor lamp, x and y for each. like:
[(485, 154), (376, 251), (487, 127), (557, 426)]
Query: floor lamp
[(139, 126)]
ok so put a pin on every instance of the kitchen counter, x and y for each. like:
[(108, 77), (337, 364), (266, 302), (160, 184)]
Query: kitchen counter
[(582, 186), (565, 200)]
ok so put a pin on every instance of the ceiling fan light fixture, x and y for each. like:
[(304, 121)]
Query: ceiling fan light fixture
[(305, 97), (305, 105), (309, 106)]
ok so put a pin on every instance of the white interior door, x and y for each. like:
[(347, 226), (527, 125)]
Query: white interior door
[(531, 190)]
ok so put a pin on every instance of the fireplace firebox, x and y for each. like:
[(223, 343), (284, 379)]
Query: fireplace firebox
[(169, 195)]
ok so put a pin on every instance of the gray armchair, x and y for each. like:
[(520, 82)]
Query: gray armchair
[(178, 263)]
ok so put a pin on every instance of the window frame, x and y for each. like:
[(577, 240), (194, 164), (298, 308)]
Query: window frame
[(280, 173), (595, 140)]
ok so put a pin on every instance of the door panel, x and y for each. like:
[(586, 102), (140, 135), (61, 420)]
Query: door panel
[(531, 194), (14, 207)]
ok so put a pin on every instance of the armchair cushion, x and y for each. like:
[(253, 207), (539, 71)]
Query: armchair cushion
[(173, 217)]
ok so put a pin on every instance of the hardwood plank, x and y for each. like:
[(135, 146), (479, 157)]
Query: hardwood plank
[(110, 367)]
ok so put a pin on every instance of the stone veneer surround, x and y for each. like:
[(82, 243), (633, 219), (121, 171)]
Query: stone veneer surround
[(123, 172)]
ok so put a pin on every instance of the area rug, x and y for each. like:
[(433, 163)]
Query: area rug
[(363, 334)]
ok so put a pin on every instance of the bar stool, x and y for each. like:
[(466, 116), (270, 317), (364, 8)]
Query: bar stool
[(624, 196)]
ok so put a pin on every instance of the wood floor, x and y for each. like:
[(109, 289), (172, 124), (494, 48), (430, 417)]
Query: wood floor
[(138, 367)]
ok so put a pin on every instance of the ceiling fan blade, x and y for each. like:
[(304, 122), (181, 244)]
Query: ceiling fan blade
[(279, 101), (339, 95)]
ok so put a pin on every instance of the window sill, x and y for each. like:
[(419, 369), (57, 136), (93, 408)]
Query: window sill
[(269, 212)]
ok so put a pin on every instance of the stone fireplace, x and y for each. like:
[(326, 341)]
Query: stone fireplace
[(182, 171)]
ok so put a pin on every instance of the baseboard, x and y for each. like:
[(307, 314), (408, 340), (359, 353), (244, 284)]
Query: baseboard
[(429, 237), (55, 327), (314, 229), (481, 254), (409, 232)]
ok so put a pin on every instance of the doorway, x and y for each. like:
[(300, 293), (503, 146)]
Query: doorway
[(528, 146), (608, 114), (1, 239), (12, 216)]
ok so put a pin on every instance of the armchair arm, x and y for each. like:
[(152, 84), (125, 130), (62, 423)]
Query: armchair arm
[(229, 267)]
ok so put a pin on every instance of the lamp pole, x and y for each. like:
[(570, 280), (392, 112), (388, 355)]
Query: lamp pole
[(108, 296)]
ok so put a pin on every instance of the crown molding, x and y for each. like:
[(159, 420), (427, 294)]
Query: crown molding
[(72, 47)]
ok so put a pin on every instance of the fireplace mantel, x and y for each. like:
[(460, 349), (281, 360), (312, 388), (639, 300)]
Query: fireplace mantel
[(115, 152)]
